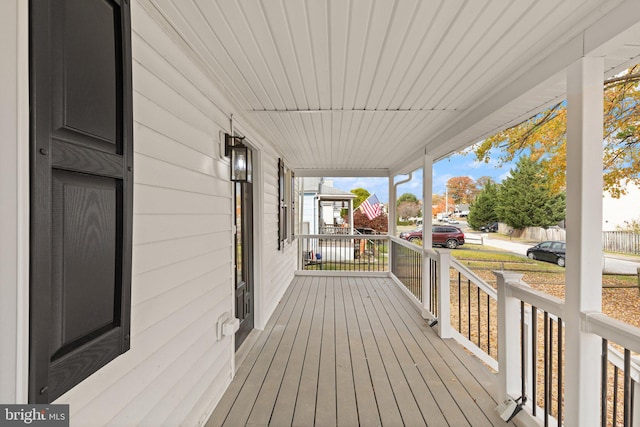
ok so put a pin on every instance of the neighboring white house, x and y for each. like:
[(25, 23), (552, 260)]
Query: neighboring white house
[(322, 205), (617, 212)]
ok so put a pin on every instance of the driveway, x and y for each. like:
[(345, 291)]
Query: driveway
[(612, 264)]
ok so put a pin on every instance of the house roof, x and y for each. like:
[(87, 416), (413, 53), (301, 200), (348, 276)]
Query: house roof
[(324, 188), (362, 87)]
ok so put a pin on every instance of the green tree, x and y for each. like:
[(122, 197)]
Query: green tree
[(406, 197), (361, 196), (483, 210), (526, 198)]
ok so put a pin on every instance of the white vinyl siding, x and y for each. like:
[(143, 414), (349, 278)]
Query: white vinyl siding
[(182, 282), (280, 264)]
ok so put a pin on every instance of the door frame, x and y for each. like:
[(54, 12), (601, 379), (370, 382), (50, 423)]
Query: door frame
[(14, 209), (247, 253), (259, 320)]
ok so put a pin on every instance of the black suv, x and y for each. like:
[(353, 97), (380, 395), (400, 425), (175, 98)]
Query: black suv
[(491, 227)]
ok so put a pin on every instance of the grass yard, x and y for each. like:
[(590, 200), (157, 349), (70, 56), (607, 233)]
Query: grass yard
[(620, 294), (620, 300)]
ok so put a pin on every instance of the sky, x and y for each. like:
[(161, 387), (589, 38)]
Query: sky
[(455, 165), (615, 211)]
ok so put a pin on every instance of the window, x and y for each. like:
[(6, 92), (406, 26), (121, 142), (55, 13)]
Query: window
[(286, 204), (81, 191), (282, 205), (292, 204)]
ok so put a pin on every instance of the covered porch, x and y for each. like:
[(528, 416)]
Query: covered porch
[(354, 350), (313, 89)]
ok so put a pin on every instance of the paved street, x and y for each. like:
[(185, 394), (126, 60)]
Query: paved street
[(618, 264)]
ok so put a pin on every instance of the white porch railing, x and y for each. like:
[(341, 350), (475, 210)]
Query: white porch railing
[(531, 358), (339, 252), (514, 329)]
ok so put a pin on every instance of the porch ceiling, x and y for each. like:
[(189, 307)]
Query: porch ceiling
[(356, 85)]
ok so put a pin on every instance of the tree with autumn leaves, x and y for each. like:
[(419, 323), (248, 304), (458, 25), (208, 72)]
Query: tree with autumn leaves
[(462, 189), (543, 137)]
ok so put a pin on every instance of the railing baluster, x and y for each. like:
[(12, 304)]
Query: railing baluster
[(459, 303), (546, 368), (478, 315), (633, 388), (604, 365), (534, 358), (627, 388), (550, 366), (615, 395), (523, 339), (469, 309), (560, 385), (488, 324)]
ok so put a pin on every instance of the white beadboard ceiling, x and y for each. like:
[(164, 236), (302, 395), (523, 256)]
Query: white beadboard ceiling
[(366, 86)]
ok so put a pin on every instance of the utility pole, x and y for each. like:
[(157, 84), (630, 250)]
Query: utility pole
[(446, 199)]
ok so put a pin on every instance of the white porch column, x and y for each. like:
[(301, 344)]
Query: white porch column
[(508, 337), (444, 293), (427, 200), (351, 216), (427, 219), (392, 207), (584, 237)]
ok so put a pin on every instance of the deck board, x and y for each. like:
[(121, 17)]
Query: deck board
[(354, 351), (368, 413), (286, 400), (346, 406)]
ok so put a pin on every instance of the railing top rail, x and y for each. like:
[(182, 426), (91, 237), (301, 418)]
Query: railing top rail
[(538, 299), (431, 253), (474, 278), (428, 252), (617, 359), (613, 330), (406, 244), (343, 236)]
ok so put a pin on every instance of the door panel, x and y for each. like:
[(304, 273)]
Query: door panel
[(244, 259)]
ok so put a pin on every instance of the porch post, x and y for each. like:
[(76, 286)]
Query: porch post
[(508, 337), (427, 197), (351, 217), (444, 293), (584, 237), (392, 207)]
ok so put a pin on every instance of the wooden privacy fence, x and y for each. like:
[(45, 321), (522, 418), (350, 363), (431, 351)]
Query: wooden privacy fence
[(621, 241)]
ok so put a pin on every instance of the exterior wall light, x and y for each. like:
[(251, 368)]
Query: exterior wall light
[(241, 161)]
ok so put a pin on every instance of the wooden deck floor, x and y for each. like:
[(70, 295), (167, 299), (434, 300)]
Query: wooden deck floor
[(354, 351)]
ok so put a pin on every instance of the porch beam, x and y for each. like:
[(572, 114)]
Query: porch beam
[(584, 237), (348, 173)]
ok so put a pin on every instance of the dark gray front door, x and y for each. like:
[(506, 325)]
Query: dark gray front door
[(243, 259)]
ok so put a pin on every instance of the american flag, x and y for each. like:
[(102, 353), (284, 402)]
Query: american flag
[(371, 207)]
